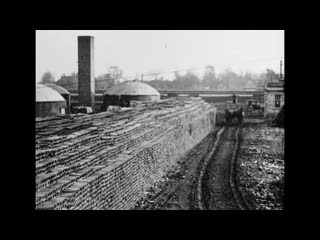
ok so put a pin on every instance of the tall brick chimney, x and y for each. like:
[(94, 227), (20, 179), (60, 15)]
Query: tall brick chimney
[(86, 87)]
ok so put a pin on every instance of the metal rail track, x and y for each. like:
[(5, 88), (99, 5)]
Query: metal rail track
[(204, 167), (233, 180), (238, 201)]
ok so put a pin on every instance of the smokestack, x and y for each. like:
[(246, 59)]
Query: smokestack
[(86, 86)]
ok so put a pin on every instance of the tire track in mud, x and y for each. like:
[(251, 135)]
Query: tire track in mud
[(219, 189)]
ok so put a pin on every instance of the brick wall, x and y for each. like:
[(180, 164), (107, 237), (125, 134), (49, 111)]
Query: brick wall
[(269, 103), (47, 109), (108, 160)]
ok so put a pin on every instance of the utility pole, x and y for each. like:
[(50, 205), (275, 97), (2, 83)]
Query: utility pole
[(281, 69), (141, 77)]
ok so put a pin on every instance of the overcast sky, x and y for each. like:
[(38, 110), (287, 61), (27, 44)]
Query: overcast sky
[(146, 51)]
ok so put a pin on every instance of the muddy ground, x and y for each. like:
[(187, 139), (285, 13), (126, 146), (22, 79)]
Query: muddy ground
[(216, 186)]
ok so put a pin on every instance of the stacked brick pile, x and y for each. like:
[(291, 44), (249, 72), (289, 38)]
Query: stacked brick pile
[(108, 160)]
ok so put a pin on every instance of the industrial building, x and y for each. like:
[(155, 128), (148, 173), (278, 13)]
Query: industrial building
[(130, 91), (49, 102), (273, 98), (274, 95), (63, 92)]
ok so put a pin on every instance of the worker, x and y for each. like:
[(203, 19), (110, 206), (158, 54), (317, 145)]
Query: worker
[(234, 98), (119, 100)]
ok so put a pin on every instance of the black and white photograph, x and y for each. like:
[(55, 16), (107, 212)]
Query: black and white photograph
[(159, 119)]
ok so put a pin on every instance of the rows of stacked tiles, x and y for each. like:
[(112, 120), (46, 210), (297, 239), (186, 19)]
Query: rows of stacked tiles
[(107, 160)]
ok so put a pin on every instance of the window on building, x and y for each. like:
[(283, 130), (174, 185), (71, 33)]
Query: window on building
[(277, 101)]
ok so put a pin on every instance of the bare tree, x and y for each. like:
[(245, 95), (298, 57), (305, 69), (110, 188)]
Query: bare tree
[(115, 73), (187, 81), (104, 81), (47, 77), (271, 75), (209, 79)]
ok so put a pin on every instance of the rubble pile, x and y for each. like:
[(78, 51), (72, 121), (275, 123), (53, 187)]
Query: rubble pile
[(261, 167), (108, 160)]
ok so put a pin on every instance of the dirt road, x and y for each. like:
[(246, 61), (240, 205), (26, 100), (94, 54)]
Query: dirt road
[(218, 190), (178, 191), (181, 190)]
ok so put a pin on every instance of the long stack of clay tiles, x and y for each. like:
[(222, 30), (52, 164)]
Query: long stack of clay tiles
[(107, 160)]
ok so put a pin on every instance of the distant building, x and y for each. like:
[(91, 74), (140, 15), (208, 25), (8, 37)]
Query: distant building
[(130, 90), (250, 86), (221, 87), (70, 83), (63, 92), (273, 97), (49, 102)]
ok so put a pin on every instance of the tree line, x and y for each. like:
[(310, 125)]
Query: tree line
[(226, 80)]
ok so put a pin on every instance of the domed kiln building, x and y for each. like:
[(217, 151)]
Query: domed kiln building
[(63, 92), (130, 91), (48, 102)]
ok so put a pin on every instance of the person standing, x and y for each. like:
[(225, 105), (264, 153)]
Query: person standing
[(234, 98)]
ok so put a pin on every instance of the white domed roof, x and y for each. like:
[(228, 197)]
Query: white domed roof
[(46, 94), (57, 88), (132, 88)]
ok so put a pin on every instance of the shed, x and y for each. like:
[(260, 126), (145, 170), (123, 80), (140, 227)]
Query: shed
[(273, 98)]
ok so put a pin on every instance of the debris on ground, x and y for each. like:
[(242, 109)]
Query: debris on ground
[(260, 172)]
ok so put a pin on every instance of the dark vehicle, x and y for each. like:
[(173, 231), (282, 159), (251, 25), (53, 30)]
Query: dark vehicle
[(254, 109), (233, 111)]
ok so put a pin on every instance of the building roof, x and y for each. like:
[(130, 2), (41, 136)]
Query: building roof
[(274, 84), (275, 87), (57, 88), (46, 94), (250, 85), (132, 88)]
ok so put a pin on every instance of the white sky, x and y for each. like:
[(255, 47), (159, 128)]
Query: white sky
[(145, 51)]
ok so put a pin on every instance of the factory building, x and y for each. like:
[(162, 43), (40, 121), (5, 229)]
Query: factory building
[(274, 95), (49, 102), (129, 91), (63, 92), (273, 98)]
